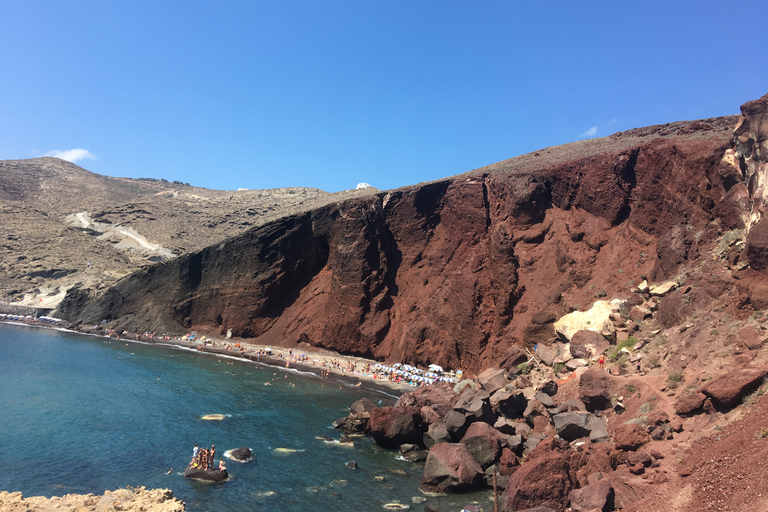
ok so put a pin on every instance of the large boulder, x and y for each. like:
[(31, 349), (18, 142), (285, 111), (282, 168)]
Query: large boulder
[(595, 389), (242, 454), (205, 475), (513, 357), (392, 426), (492, 379), (598, 496), (630, 437), (439, 396), (596, 319), (437, 433), (727, 390), (484, 443), (457, 423), (363, 405), (542, 480), (353, 424), (588, 344), (690, 404), (476, 405), (572, 425), (509, 404), (450, 467)]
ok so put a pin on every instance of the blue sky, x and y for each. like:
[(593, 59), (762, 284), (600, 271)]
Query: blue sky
[(264, 94)]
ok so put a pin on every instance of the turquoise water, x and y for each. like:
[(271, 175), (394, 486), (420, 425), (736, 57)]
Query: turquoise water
[(84, 414)]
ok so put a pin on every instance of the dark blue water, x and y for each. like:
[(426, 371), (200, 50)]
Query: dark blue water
[(82, 414)]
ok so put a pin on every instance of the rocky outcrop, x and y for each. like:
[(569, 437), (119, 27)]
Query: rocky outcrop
[(727, 390), (385, 276), (128, 500), (450, 468), (242, 454), (206, 475)]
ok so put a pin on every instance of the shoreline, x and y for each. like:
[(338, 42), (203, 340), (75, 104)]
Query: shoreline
[(277, 359)]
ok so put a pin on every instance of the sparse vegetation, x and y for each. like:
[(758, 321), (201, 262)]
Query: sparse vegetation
[(524, 368), (760, 391), (615, 352), (645, 408), (558, 367), (674, 379), (763, 432), (630, 388)]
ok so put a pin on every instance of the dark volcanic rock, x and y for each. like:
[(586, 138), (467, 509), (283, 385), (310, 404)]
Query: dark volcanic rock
[(449, 468), (586, 344), (242, 454), (542, 480), (206, 475), (363, 405), (392, 426), (484, 443), (595, 389)]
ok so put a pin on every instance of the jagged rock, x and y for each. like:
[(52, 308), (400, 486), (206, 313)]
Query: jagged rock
[(630, 437), (572, 425), (639, 457), (531, 442), (476, 406), (353, 424), (242, 454), (575, 364), (598, 496), (437, 433), (513, 357), (392, 426), (596, 319), (545, 399), (515, 443), (563, 353), (429, 415), (492, 379), (539, 330), (547, 354), (457, 423), (439, 396), (450, 467), (690, 404), (588, 344), (727, 390), (415, 456), (206, 475), (625, 494), (543, 480), (662, 289), (595, 390), (598, 429), (549, 387), (364, 405), (505, 426), (572, 404), (508, 403), (534, 408), (484, 443), (639, 313)]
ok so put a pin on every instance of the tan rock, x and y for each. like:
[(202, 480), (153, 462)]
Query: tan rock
[(662, 289), (596, 319)]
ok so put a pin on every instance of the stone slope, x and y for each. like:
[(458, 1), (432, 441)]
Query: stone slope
[(65, 226), (456, 271)]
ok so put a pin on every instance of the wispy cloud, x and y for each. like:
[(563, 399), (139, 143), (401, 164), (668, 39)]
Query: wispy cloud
[(590, 133), (71, 155)]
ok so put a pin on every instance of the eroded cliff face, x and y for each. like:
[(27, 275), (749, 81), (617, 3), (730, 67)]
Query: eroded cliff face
[(455, 272)]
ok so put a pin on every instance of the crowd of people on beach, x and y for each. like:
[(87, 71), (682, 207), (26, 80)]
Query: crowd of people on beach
[(204, 458)]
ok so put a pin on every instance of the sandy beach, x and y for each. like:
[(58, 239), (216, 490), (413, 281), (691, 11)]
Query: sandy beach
[(325, 364)]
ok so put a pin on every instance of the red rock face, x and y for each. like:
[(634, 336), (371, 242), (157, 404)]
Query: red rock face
[(452, 272)]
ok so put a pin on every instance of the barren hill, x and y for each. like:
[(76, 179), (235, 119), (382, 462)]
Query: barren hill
[(65, 226)]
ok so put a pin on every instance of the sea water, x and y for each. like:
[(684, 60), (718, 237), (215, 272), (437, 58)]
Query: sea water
[(83, 414)]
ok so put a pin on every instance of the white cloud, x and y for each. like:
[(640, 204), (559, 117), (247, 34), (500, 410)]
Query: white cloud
[(71, 155), (590, 133)]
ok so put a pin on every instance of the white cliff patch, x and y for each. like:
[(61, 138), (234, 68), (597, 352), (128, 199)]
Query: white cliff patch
[(596, 319), (125, 238)]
